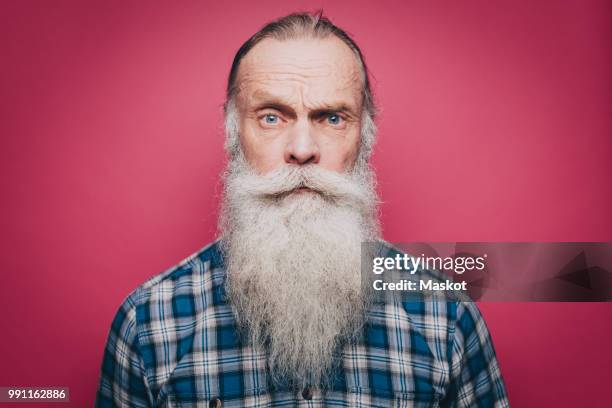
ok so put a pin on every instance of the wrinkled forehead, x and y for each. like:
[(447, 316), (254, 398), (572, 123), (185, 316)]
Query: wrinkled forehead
[(308, 71)]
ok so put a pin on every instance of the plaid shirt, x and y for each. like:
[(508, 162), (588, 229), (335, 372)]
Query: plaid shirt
[(174, 343)]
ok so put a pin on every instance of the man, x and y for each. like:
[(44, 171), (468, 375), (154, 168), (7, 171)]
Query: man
[(273, 313)]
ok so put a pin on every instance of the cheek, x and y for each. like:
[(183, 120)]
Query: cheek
[(340, 154), (263, 153)]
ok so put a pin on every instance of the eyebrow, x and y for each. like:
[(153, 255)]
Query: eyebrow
[(269, 101)]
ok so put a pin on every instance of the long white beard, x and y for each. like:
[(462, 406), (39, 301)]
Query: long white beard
[(293, 262)]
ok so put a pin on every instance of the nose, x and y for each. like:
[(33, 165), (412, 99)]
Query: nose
[(302, 147)]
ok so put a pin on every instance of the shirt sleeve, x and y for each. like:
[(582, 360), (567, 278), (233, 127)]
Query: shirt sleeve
[(476, 379), (122, 380)]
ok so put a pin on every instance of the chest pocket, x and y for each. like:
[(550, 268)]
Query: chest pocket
[(254, 398), (375, 398)]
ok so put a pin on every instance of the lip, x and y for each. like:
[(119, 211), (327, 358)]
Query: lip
[(302, 190)]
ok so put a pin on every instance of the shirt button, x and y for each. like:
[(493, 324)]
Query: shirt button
[(307, 393), (214, 403)]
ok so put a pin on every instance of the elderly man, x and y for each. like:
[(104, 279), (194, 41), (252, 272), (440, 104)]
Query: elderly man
[(274, 314)]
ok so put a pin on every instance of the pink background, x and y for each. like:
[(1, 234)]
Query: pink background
[(496, 125)]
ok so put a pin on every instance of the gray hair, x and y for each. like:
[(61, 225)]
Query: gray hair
[(293, 26)]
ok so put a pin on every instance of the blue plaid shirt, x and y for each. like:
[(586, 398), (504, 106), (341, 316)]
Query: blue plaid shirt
[(174, 343)]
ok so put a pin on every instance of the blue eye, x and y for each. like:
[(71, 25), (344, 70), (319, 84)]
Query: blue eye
[(271, 119), (334, 119)]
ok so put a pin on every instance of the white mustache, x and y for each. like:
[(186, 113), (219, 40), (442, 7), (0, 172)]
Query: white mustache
[(277, 184)]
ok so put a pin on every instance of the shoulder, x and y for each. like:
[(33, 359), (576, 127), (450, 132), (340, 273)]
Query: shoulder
[(449, 318), (205, 264), (420, 305), (180, 291), (205, 261)]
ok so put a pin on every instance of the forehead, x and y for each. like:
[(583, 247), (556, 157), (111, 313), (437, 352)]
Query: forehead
[(310, 71)]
